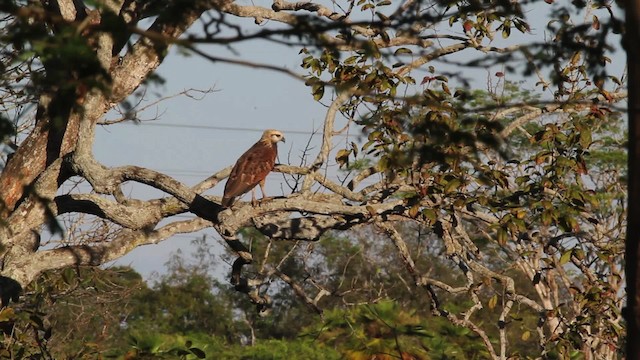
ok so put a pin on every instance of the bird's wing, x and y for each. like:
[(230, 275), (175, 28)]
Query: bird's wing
[(251, 168)]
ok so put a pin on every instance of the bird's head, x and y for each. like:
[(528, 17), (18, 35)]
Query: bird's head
[(272, 136)]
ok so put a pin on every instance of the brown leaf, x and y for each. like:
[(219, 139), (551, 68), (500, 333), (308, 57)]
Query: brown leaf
[(467, 26), (427, 79), (371, 210), (414, 211), (596, 23)]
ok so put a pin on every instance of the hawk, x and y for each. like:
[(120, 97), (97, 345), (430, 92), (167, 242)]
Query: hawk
[(252, 168)]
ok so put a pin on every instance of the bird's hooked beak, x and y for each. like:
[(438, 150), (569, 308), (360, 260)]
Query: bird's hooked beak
[(283, 140)]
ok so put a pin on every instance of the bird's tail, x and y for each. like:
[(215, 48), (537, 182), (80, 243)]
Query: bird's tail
[(227, 201)]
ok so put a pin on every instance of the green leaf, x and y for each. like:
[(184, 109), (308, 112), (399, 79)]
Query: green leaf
[(68, 275), (318, 91), (403, 50), (342, 157), (506, 31), (502, 236), (197, 352), (351, 59), (522, 26), (566, 257), (452, 185), (430, 215), (585, 138)]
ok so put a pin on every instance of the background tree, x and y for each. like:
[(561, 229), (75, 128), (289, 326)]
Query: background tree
[(114, 314), (508, 184)]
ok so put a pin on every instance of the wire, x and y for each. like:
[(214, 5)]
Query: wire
[(224, 128)]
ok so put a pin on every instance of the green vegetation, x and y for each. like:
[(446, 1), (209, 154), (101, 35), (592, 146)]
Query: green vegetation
[(186, 313)]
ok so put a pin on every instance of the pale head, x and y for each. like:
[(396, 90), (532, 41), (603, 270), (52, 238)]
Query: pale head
[(272, 136)]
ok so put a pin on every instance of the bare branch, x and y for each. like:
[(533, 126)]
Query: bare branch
[(327, 135)]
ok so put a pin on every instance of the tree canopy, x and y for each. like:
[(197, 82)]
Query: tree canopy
[(517, 187)]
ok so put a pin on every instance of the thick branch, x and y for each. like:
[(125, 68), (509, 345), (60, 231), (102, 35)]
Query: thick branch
[(26, 269), (134, 217)]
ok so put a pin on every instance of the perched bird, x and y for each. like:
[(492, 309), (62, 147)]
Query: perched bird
[(252, 168)]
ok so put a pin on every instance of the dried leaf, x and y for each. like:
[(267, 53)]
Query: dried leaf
[(342, 157), (413, 212), (7, 314), (467, 25), (596, 23), (371, 210), (445, 88), (493, 301)]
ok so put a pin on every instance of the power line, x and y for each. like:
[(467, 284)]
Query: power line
[(211, 127), (225, 128)]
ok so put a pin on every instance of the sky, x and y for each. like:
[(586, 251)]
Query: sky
[(192, 139)]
